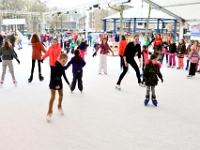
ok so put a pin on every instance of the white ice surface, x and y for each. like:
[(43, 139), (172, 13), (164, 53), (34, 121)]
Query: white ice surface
[(101, 118)]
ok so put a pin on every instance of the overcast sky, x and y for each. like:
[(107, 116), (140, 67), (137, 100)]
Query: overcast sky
[(74, 3)]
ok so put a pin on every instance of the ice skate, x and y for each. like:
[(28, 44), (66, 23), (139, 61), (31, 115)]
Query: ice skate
[(142, 84), (155, 102), (189, 76), (60, 110), (118, 87), (41, 78), (48, 117), (30, 79), (146, 101), (15, 83), (1, 84)]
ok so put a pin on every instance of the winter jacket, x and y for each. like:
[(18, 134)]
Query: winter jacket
[(188, 50), (145, 55), (117, 38), (76, 68), (83, 46), (158, 42), (194, 57), (122, 47), (172, 48), (45, 38), (72, 45), (53, 53), (7, 54), (181, 50), (104, 48), (131, 50), (12, 40), (151, 73), (37, 48)]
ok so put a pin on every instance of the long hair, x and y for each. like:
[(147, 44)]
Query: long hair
[(35, 38), (6, 43), (78, 57)]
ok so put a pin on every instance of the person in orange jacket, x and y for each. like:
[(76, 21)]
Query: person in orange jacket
[(53, 53), (37, 49), (122, 47)]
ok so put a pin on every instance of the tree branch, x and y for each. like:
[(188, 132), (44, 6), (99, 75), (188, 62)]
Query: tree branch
[(113, 7)]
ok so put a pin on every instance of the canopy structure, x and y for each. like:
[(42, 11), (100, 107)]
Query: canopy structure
[(183, 10), (140, 14)]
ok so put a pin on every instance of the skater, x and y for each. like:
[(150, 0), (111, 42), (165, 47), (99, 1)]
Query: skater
[(172, 53), (83, 47), (194, 59), (131, 49), (158, 47), (77, 69), (145, 56), (105, 48), (188, 50), (56, 84), (7, 53), (180, 54), (37, 49), (72, 46), (152, 70), (53, 53), (164, 51), (122, 47)]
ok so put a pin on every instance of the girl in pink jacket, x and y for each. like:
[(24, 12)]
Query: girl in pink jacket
[(194, 59), (53, 53)]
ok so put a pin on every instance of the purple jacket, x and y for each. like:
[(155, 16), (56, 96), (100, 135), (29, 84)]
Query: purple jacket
[(76, 68)]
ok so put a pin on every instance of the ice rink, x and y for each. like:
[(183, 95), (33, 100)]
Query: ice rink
[(101, 118)]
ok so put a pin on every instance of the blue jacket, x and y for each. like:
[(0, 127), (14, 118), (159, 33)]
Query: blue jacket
[(117, 38), (76, 68)]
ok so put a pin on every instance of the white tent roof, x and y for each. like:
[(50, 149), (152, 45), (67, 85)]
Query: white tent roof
[(185, 10), (141, 13)]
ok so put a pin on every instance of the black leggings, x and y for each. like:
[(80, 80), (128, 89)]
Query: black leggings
[(33, 67), (121, 62), (125, 69), (192, 69)]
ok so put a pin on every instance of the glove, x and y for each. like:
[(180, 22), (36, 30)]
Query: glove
[(162, 80), (18, 61), (94, 54), (41, 61)]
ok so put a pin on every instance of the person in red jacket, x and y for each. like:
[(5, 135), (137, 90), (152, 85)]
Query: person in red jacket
[(122, 47), (158, 47), (37, 49), (53, 53), (105, 48)]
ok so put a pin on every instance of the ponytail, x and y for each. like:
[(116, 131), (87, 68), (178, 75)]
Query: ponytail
[(6, 43), (78, 57)]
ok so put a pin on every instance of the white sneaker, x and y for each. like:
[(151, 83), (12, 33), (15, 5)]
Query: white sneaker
[(60, 110), (15, 83), (141, 84), (48, 117), (118, 87)]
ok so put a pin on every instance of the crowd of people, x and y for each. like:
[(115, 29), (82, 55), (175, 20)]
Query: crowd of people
[(56, 47)]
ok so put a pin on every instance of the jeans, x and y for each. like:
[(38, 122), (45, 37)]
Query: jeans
[(19, 43), (152, 88), (163, 55)]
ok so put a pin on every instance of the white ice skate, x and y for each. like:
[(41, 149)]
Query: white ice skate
[(1, 84), (48, 117), (15, 83), (60, 110), (118, 87)]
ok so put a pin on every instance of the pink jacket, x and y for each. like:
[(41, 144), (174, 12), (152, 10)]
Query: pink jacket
[(194, 57), (53, 53)]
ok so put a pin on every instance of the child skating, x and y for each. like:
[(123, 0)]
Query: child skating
[(56, 84), (6, 52), (77, 69), (151, 74)]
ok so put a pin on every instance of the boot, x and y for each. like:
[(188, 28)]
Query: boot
[(41, 78), (30, 79), (146, 101)]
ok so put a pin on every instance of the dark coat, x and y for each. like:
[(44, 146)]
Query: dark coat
[(151, 74), (181, 51)]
